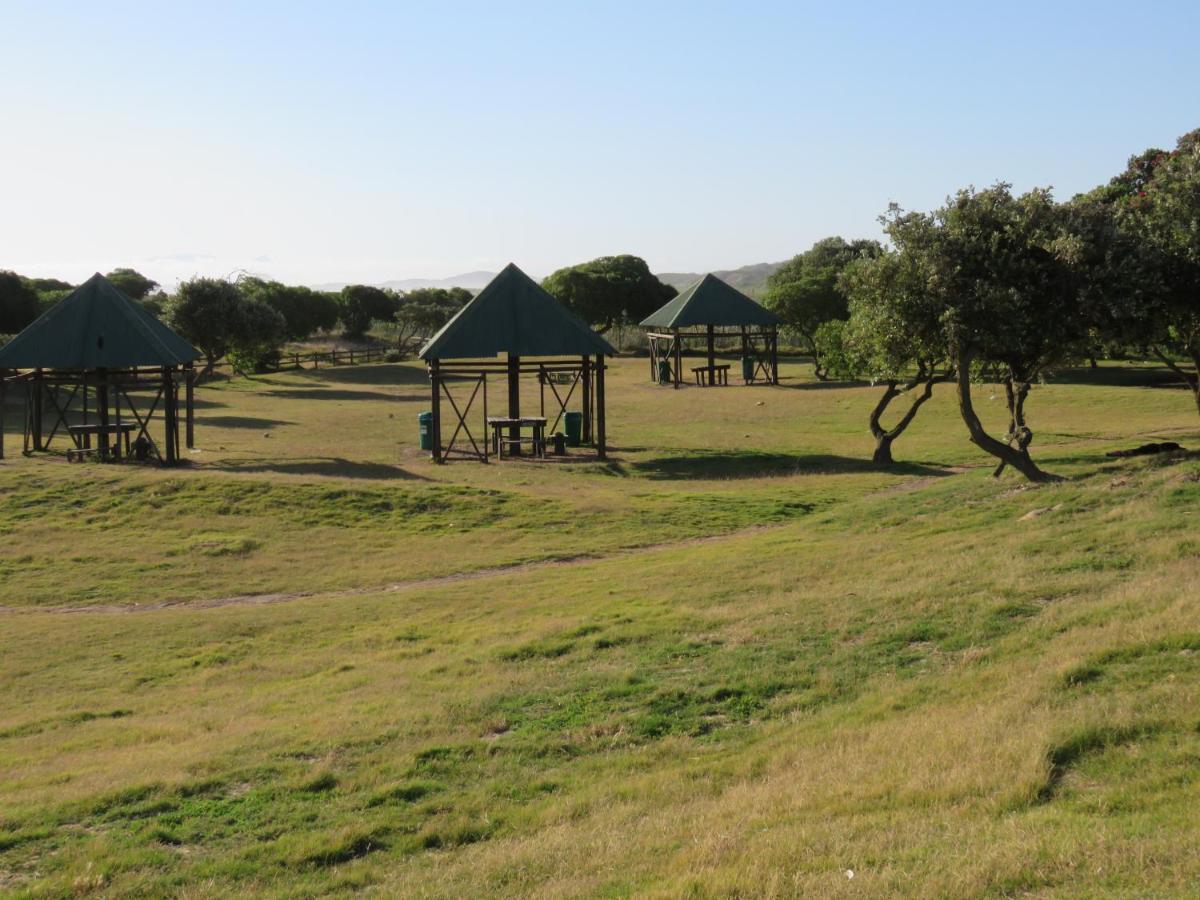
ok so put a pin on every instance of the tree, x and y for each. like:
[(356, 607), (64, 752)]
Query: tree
[(894, 336), (205, 311), (805, 291), (259, 331), (18, 303), (1157, 202), (361, 304), (133, 284), (304, 310), (424, 310), (1010, 298), (609, 291)]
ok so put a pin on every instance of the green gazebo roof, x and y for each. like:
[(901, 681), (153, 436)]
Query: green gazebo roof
[(96, 327), (513, 314), (710, 301)]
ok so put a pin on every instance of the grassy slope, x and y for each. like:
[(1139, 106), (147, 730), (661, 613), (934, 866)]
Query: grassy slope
[(947, 685)]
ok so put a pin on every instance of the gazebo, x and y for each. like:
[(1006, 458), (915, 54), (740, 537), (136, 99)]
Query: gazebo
[(78, 364), (515, 318), (709, 309)]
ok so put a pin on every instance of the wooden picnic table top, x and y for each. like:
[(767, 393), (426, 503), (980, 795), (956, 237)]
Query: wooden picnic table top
[(96, 428), (706, 367), (520, 420)]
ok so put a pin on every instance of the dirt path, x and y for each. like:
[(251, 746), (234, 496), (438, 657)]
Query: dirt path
[(394, 587)]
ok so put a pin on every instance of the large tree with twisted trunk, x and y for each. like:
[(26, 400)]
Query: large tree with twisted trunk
[(996, 266), (894, 337)]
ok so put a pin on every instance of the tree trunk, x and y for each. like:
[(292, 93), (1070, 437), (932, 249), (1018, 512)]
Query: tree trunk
[(818, 369), (1018, 458), (884, 438), (1191, 379), (883, 450)]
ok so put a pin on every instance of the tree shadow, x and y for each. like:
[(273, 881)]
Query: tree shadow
[(822, 385), (239, 422), (378, 374), (327, 466), (1155, 376), (752, 464), (319, 393)]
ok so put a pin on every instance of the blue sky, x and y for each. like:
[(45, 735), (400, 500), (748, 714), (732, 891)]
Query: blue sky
[(360, 141)]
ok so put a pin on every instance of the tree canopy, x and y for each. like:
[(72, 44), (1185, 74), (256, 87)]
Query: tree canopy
[(18, 303), (206, 312), (424, 310), (304, 311), (608, 291), (362, 304), (805, 291), (131, 283)]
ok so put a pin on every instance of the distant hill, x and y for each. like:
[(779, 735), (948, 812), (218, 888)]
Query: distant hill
[(751, 280), (472, 281)]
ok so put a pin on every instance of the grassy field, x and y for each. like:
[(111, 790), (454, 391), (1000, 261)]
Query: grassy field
[(734, 660)]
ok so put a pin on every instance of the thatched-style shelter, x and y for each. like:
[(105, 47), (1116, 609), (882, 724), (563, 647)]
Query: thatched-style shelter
[(80, 361)]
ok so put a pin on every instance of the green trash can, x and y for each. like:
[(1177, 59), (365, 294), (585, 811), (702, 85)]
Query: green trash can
[(425, 421), (664, 371), (747, 368), (573, 425)]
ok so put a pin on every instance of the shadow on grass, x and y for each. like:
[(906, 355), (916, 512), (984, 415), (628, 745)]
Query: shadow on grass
[(377, 374), (239, 422), (1119, 376), (317, 393), (765, 465), (332, 466)]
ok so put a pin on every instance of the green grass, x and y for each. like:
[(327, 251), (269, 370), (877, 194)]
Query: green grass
[(751, 665)]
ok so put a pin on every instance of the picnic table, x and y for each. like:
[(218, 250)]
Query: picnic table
[(500, 425), (713, 374), (83, 435)]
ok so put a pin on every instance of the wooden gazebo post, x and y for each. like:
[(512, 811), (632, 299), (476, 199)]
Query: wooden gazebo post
[(774, 338), (678, 356), (514, 401), (601, 446), (585, 376), (102, 410), (2, 392), (36, 414), (435, 427), (170, 414), (190, 408), (712, 355)]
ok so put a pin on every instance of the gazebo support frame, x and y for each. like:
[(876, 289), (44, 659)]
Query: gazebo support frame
[(759, 343), (111, 392), (584, 372)]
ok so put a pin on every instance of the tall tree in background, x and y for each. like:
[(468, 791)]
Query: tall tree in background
[(608, 291), (206, 312), (894, 336), (1010, 298), (305, 311), (1157, 200), (18, 303), (805, 291), (424, 310), (131, 283), (361, 304)]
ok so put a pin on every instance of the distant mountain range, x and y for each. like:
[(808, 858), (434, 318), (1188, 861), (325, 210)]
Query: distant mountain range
[(750, 279), (472, 281)]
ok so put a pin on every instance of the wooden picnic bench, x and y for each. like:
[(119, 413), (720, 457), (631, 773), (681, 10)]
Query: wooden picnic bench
[(83, 443), (711, 374), (500, 425)]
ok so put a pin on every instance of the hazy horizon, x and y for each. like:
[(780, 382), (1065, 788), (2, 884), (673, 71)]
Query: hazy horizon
[(373, 143)]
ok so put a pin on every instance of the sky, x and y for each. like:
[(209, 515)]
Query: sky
[(336, 142)]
